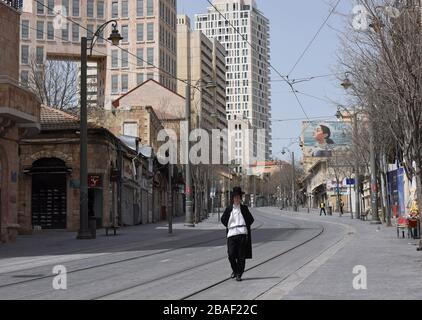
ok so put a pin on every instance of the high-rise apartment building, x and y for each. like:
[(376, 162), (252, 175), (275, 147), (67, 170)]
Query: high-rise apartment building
[(248, 75), (148, 28), (203, 62)]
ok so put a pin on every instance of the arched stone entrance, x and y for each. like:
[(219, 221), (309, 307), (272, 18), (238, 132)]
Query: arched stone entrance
[(49, 193)]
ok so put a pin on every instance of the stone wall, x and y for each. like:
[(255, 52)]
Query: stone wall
[(8, 184), (9, 38), (65, 146)]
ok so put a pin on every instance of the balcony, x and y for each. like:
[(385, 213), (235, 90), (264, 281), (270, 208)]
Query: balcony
[(19, 106)]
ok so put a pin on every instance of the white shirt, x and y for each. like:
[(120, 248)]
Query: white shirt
[(237, 224)]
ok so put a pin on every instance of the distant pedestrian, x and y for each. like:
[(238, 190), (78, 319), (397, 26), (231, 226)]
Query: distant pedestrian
[(322, 206), (341, 207), (238, 220)]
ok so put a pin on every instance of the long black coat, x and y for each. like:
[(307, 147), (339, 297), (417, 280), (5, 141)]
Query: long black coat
[(249, 220)]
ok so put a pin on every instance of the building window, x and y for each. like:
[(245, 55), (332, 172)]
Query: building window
[(90, 8), (140, 57), (114, 58), (25, 29), (101, 37), (90, 31), (25, 54), (100, 9), (125, 60), (140, 32), (130, 129), (150, 31), (40, 55), (50, 30), (125, 82), (150, 7), (75, 8), (65, 4), (114, 9), (140, 8), (50, 5), (150, 56), (25, 78), (125, 9), (75, 32), (40, 30), (65, 33), (139, 78), (114, 83), (40, 7), (150, 76), (125, 33)]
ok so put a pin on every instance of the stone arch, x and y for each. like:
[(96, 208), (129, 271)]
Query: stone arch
[(29, 160)]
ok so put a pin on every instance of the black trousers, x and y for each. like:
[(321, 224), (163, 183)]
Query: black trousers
[(237, 252), (322, 210)]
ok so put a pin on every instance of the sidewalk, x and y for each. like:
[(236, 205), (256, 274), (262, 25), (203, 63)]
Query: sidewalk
[(393, 265)]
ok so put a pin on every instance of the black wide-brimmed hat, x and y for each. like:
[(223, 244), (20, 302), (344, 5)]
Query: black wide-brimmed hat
[(237, 191)]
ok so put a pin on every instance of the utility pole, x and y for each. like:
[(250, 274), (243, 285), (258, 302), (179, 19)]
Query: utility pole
[(83, 191), (350, 199), (357, 169), (254, 191), (293, 183), (374, 186), (170, 200), (281, 184), (188, 174)]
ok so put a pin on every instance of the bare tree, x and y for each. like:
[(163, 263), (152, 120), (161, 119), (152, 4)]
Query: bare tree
[(56, 82), (385, 61)]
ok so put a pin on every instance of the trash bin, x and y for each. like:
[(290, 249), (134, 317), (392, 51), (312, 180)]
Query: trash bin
[(330, 211), (92, 223)]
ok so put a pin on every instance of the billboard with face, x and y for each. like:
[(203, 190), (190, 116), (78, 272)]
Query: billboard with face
[(321, 138)]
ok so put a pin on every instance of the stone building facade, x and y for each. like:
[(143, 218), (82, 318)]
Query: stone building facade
[(49, 176), (148, 50), (19, 117)]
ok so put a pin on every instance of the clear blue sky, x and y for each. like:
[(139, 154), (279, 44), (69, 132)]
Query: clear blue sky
[(293, 24)]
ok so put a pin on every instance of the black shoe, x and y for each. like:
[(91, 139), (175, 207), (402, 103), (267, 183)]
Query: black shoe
[(233, 275), (239, 278)]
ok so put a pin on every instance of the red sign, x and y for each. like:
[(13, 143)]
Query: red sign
[(94, 181), (188, 190)]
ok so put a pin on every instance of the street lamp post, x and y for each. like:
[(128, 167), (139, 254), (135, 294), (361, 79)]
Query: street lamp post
[(115, 37), (374, 184), (292, 154), (188, 174), (346, 84)]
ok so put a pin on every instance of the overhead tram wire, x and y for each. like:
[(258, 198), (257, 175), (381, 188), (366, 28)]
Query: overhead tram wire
[(301, 119), (284, 78), (314, 37), (94, 50), (97, 51), (117, 46)]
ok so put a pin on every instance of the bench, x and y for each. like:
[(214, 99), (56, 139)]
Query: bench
[(114, 228)]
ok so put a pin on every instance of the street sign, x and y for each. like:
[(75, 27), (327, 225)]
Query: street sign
[(350, 182)]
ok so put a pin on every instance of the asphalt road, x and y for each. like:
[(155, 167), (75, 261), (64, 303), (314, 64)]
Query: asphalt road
[(144, 262)]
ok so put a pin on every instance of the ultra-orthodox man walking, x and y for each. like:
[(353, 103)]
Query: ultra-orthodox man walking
[(238, 220)]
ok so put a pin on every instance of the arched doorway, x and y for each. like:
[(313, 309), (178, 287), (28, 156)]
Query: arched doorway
[(49, 209)]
